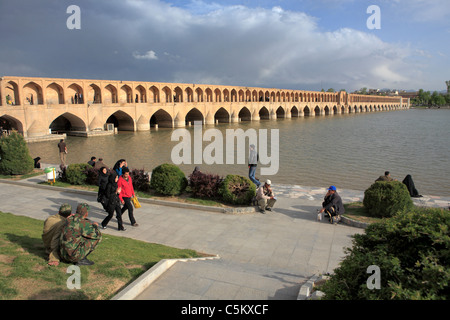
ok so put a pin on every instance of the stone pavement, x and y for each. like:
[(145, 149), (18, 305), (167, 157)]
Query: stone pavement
[(260, 256)]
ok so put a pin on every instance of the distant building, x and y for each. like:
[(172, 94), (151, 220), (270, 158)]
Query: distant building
[(410, 95)]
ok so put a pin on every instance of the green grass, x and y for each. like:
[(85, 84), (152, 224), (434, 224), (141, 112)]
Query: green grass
[(356, 211), (34, 173), (25, 274)]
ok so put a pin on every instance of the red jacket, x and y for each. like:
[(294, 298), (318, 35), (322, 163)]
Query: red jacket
[(127, 188)]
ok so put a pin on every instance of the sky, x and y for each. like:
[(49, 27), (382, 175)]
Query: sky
[(286, 44)]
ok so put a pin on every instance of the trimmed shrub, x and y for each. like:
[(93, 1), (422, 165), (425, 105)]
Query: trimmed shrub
[(14, 155), (205, 185), (236, 189), (76, 173), (141, 180), (168, 179), (412, 251), (385, 199), (91, 175)]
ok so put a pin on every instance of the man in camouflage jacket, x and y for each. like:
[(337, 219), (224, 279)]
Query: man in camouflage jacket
[(79, 237)]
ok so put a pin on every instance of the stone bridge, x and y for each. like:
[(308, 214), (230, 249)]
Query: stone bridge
[(37, 107)]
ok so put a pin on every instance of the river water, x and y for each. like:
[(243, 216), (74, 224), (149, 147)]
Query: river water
[(349, 151)]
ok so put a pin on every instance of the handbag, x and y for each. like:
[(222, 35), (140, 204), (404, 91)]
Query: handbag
[(135, 202)]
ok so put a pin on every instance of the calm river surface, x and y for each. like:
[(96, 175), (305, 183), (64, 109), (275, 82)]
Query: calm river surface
[(349, 151)]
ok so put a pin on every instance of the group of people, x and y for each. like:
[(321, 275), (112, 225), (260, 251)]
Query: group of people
[(332, 205), (115, 193), (70, 237)]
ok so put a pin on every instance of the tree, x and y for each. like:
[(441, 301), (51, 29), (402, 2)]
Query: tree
[(14, 155)]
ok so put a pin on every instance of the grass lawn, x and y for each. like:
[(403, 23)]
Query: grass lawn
[(356, 211), (25, 274), (34, 173)]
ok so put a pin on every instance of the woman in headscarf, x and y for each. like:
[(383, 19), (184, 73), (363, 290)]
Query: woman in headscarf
[(408, 181), (118, 166), (112, 202), (102, 182)]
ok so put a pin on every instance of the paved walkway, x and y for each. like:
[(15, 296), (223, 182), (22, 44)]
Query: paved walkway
[(261, 256)]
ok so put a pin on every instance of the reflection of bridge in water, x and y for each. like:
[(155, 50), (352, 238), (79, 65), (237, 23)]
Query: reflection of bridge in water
[(37, 107)]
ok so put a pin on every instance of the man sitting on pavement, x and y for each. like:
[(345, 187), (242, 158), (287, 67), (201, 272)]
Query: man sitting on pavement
[(332, 205), (79, 237), (51, 234), (265, 197)]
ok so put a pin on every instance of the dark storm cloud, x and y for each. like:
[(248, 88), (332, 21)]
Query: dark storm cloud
[(156, 41)]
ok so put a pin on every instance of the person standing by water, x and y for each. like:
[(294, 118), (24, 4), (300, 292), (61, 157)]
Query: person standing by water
[(252, 163), (125, 183), (112, 202), (62, 151), (102, 183)]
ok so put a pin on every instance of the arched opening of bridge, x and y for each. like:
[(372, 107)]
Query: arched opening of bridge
[(280, 113), (154, 94), (162, 119), (264, 114), (245, 114), (67, 123), (294, 112), (306, 111), (194, 115), (222, 116), (11, 94), (335, 110), (33, 93), (54, 94), (317, 111), (110, 94), (141, 95), (9, 124), (327, 111), (122, 121), (125, 94), (94, 94), (75, 94)]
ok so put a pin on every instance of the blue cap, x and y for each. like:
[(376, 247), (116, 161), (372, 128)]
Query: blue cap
[(332, 188)]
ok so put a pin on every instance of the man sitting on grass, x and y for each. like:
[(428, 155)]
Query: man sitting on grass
[(79, 237), (52, 233)]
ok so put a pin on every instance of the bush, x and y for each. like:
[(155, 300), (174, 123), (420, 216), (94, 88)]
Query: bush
[(168, 179), (141, 180), (205, 185), (14, 155), (237, 189), (91, 175), (412, 251), (76, 173), (385, 199)]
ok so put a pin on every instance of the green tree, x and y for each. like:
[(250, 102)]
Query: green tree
[(14, 155)]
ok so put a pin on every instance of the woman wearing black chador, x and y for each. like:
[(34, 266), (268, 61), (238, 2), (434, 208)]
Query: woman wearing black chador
[(408, 181), (112, 202)]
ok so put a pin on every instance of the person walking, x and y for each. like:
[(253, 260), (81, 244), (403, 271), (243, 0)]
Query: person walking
[(102, 183), (112, 202), (62, 151), (125, 183), (252, 163)]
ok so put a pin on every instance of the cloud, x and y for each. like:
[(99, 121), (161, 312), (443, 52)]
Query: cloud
[(207, 43), (149, 55)]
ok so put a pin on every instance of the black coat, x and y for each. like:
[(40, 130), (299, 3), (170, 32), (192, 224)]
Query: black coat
[(111, 197), (334, 200)]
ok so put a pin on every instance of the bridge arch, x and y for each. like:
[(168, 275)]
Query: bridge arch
[(264, 114), (280, 113), (33, 93), (154, 94), (76, 94), (317, 111), (54, 94), (161, 118), (306, 111), (194, 115), (294, 112), (110, 94), (245, 114), (9, 123), (122, 121), (67, 122), (222, 116), (12, 93)]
